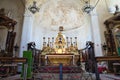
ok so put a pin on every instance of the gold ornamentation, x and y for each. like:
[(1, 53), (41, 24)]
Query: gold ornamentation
[(61, 46)]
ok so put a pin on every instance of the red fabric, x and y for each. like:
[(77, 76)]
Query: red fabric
[(101, 69)]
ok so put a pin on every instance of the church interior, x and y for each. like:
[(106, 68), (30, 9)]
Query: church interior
[(59, 39)]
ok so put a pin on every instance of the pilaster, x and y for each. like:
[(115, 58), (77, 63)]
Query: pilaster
[(26, 31), (95, 31)]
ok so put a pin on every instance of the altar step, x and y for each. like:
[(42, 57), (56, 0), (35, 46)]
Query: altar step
[(66, 76), (74, 76), (56, 69)]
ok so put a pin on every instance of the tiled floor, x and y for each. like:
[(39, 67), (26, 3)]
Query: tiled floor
[(110, 77), (102, 76)]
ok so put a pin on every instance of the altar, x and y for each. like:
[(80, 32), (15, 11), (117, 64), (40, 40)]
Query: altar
[(56, 59), (61, 50)]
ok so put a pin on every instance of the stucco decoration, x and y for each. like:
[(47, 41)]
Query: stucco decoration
[(66, 13)]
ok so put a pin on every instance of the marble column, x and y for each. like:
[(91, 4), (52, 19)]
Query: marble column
[(95, 31), (26, 31)]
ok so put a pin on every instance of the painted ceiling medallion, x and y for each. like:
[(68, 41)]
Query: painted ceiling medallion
[(66, 13)]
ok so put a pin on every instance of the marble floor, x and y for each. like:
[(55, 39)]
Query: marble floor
[(74, 76)]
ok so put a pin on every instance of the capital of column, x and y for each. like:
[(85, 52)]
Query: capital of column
[(28, 13), (93, 13)]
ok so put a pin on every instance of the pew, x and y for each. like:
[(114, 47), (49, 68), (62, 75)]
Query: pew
[(7, 61)]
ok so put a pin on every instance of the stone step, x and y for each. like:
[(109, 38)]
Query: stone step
[(56, 69)]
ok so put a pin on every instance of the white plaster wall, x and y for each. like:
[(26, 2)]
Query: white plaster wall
[(81, 33), (15, 10)]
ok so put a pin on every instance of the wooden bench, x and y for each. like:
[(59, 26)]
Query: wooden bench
[(116, 67), (105, 58), (11, 60)]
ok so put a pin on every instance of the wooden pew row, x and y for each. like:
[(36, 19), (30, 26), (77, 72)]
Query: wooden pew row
[(108, 58), (11, 60), (104, 58)]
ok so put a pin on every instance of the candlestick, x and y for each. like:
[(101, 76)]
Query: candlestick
[(76, 41), (71, 40), (48, 41), (52, 41), (67, 41), (43, 39)]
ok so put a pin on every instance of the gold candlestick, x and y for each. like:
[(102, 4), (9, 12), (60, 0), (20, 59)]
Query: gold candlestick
[(67, 41), (44, 42), (48, 41), (52, 41), (76, 41), (71, 40)]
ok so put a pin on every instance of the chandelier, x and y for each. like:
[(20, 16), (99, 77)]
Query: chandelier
[(88, 7), (33, 8)]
